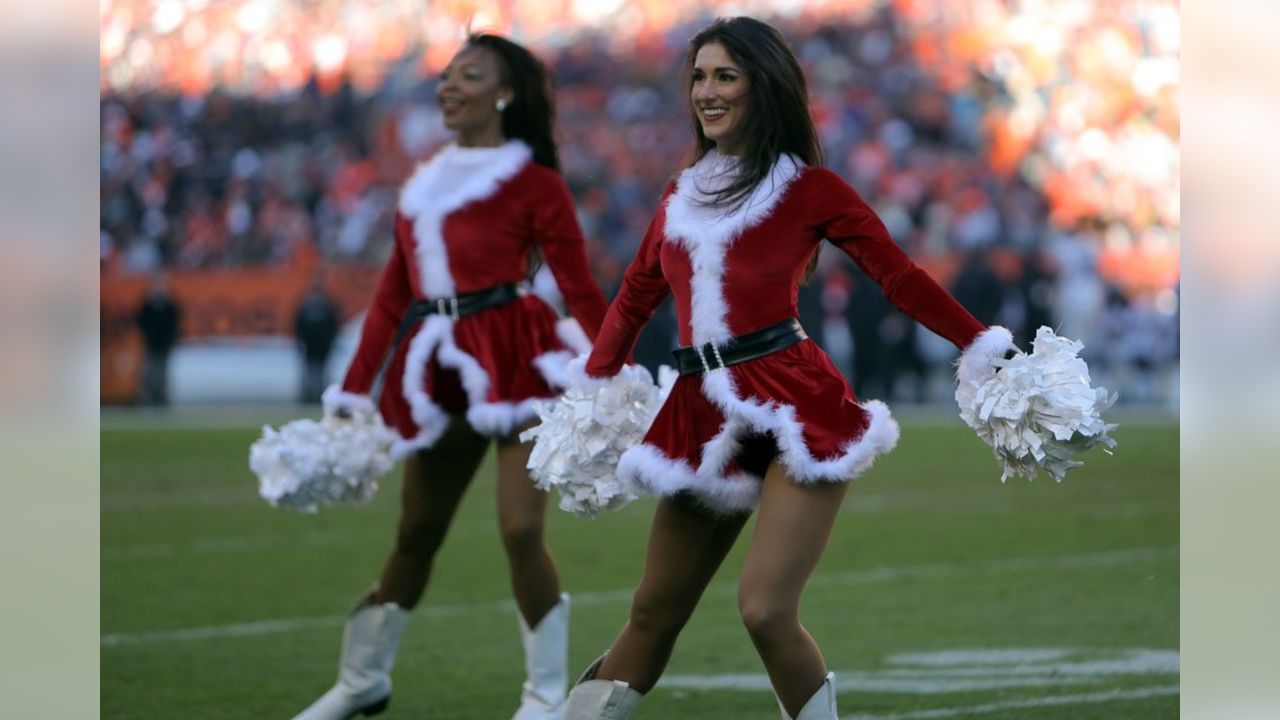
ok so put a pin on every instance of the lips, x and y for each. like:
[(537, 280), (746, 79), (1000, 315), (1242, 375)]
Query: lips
[(713, 114), (450, 106)]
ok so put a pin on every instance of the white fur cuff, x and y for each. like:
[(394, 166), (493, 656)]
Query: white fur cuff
[(977, 361), (336, 399)]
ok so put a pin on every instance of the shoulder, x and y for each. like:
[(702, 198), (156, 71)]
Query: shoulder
[(825, 190), (820, 179), (541, 178)]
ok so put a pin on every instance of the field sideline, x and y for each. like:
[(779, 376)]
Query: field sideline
[(942, 595)]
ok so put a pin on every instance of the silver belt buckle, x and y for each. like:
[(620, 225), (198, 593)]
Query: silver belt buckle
[(448, 306), (715, 353)]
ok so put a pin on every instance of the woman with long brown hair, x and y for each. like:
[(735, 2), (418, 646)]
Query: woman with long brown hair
[(759, 417)]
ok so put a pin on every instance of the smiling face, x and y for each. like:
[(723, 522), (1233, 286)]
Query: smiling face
[(719, 93), (470, 87)]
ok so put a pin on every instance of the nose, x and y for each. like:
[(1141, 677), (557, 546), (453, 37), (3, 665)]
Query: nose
[(704, 92)]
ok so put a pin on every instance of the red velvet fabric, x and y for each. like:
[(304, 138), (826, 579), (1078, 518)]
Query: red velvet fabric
[(488, 242), (762, 269), (801, 376)]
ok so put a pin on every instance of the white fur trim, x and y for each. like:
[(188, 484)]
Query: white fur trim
[(488, 418), (553, 366), (576, 375), (707, 232), (646, 468), (573, 336), (779, 420), (452, 179), (430, 418), (335, 399), (975, 363), (500, 418)]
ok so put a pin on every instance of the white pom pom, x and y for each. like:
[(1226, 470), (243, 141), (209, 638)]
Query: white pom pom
[(1039, 410), (306, 463), (584, 433)]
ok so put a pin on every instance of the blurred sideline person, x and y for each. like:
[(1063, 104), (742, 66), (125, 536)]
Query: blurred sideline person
[(469, 353), (315, 325), (159, 320), (759, 415)]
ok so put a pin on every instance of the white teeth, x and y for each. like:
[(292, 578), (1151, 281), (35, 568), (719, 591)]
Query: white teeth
[(712, 114)]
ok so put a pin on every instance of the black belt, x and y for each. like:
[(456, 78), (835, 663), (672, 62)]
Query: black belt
[(456, 306), (755, 344)]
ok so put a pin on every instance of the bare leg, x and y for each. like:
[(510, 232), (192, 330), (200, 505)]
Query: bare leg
[(522, 509), (686, 547), (791, 532), (434, 483)]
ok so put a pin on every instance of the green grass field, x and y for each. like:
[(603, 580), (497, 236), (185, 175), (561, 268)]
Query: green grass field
[(943, 594)]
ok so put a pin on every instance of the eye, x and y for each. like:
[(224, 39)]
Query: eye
[(728, 77)]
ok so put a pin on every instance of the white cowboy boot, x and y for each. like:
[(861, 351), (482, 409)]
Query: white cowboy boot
[(546, 662), (593, 699), (821, 706), (369, 646)]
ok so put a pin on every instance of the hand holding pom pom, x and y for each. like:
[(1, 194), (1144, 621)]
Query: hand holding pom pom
[(1039, 410), (306, 463), (584, 433)]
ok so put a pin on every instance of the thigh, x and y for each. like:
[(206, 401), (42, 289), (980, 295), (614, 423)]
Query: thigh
[(520, 502), (686, 547), (435, 479), (792, 528)]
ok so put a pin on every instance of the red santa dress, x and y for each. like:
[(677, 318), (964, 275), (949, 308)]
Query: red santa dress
[(467, 221), (733, 272)]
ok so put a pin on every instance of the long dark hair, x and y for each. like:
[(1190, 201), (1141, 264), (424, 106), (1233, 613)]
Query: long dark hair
[(777, 119), (531, 114)]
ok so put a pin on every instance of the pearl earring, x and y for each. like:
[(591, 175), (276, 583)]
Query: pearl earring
[(501, 104)]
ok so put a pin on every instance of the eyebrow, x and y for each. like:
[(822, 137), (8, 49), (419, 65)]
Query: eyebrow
[(722, 68)]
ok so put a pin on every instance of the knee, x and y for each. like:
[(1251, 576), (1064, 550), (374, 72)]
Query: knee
[(419, 536), (521, 535), (658, 616), (766, 618)]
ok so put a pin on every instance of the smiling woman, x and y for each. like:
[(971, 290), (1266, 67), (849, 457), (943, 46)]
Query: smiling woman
[(464, 353), (759, 415)]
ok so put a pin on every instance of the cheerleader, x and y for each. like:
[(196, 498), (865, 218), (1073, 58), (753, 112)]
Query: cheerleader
[(469, 353), (759, 416)]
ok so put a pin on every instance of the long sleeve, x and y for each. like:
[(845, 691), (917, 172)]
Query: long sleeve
[(560, 239), (390, 301), (851, 225), (643, 288)]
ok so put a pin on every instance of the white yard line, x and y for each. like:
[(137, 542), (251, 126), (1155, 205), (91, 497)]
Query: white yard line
[(622, 596), (1048, 701)]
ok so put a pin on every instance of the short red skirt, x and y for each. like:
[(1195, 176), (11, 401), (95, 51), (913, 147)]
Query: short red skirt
[(489, 367), (717, 432)]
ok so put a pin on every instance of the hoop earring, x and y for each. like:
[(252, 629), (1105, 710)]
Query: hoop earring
[(501, 104)]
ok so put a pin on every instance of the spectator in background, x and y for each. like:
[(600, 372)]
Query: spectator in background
[(158, 319), (315, 326), (978, 288)]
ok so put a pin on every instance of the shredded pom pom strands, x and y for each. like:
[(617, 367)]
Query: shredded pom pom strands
[(306, 463), (584, 433), (1039, 411)]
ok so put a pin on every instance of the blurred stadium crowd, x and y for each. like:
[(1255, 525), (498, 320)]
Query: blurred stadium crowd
[(1024, 151)]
